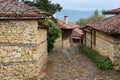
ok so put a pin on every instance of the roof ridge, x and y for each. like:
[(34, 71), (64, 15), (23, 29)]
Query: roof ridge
[(105, 19), (113, 11), (110, 25), (8, 0), (13, 8)]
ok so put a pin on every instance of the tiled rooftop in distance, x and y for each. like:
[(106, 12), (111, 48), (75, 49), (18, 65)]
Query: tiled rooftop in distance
[(77, 33), (62, 25)]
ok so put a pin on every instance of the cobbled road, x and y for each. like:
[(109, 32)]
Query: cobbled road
[(73, 65)]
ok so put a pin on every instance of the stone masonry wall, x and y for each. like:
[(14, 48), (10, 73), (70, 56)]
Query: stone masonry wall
[(58, 43), (88, 39), (23, 49), (104, 44), (107, 46), (66, 44), (116, 54)]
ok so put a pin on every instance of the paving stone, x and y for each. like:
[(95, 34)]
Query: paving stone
[(75, 66), (83, 79)]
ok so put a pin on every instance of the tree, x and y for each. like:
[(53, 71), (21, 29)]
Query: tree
[(96, 13), (103, 12), (92, 19), (52, 34), (49, 7), (82, 21), (45, 5)]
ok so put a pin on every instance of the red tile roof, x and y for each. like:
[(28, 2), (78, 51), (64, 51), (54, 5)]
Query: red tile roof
[(13, 9), (43, 26), (113, 11), (77, 33), (62, 25), (109, 25)]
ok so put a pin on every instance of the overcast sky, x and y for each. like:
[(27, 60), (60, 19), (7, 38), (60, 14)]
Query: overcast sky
[(88, 4)]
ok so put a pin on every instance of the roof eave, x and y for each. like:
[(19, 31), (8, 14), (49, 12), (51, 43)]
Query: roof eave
[(108, 12), (16, 18)]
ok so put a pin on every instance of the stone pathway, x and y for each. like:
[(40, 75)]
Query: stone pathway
[(73, 65)]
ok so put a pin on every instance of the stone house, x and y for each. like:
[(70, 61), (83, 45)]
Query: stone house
[(77, 36), (23, 43), (67, 28), (104, 37)]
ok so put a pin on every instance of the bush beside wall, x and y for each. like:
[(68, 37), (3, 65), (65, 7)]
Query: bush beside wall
[(101, 61)]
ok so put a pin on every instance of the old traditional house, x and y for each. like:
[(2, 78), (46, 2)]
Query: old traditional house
[(104, 36), (77, 36), (23, 43), (67, 28), (113, 11)]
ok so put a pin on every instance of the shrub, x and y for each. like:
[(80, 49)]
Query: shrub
[(52, 34), (101, 61)]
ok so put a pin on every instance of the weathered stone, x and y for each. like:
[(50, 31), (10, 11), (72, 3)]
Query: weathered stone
[(105, 44), (83, 79), (17, 55), (59, 43), (23, 49)]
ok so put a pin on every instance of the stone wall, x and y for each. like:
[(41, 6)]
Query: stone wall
[(23, 49), (109, 46), (66, 44), (106, 45), (58, 43), (103, 43), (116, 54), (88, 39)]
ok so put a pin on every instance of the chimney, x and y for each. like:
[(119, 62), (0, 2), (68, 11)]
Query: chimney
[(66, 19)]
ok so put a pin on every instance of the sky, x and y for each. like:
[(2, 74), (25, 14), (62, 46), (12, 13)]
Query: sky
[(88, 4)]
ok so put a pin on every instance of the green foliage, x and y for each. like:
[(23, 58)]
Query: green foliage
[(92, 19), (103, 12), (52, 8), (21, 0), (29, 3), (52, 34), (45, 5), (82, 21), (96, 13), (102, 62)]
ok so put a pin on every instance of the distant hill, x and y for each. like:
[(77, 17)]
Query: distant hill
[(74, 15)]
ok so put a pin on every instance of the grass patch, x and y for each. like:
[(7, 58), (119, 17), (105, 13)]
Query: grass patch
[(101, 61)]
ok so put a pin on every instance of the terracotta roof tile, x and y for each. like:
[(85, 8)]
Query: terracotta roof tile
[(62, 25), (77, 33), (12, 8), (113, 11), (109, 25)]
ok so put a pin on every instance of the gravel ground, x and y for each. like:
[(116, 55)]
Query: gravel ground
[(73, 65)]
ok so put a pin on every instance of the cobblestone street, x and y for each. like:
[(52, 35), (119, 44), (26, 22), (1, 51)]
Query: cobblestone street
[(73, 65)]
